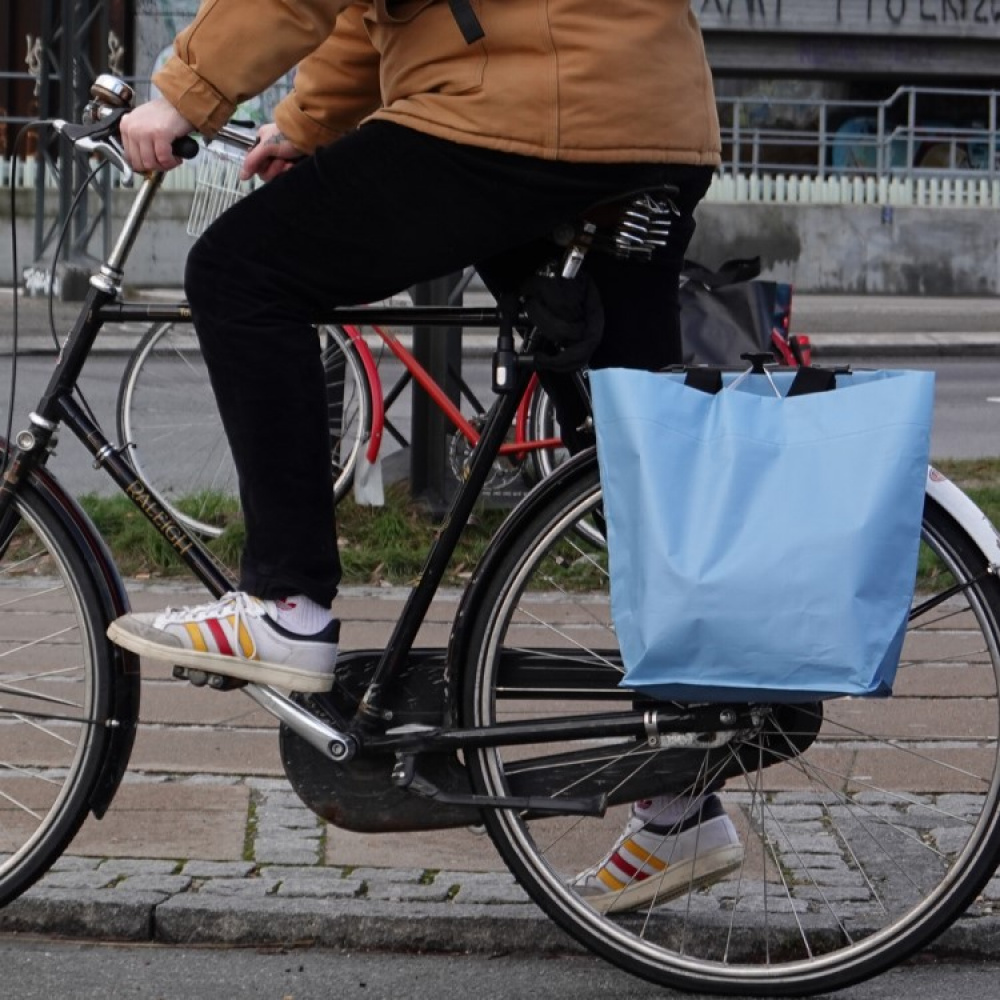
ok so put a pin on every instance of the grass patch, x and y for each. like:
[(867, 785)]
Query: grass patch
[(378, 545), (387, 545)]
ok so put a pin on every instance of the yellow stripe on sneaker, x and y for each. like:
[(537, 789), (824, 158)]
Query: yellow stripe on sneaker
[(246, 643), (610, 881), (197, 639), (644, 856)]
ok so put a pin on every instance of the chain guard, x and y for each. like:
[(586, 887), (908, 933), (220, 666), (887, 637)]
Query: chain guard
[(361, 795)]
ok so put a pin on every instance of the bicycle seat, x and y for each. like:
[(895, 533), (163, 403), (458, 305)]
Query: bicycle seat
[(632, 225)]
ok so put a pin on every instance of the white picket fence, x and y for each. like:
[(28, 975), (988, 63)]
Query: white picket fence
[(924, 191)]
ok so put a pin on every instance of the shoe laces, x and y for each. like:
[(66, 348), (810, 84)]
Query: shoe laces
[(234, 602)]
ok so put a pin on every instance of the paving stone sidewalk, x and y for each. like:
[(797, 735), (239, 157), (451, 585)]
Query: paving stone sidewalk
[(207, 843)]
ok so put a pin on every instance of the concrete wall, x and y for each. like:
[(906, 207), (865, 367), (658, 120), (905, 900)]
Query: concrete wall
[(830, 249), (157, 259)]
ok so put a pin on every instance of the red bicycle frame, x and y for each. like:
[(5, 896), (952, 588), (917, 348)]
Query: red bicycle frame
[(515, 449)]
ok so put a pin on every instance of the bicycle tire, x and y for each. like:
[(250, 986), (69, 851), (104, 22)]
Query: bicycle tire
[(541, 424), (858, 851), (166, 413), (55, 691)]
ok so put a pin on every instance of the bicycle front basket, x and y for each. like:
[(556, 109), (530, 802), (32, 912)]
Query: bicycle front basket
[(218, 185)]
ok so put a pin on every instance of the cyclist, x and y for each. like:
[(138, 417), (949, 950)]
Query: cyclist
[(421, 136)]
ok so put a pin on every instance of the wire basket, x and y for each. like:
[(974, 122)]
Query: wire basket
[(218, 185)]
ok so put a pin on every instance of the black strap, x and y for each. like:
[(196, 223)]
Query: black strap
[(808, 379), (704, 380), (730, 273), (469, 24)]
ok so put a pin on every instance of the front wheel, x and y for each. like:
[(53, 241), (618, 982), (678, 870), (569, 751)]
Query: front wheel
[(55, 691), (867, 826)]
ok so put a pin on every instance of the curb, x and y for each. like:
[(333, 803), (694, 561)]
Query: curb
[(193, 917), (477, 345), (109, 915), (861, 345)]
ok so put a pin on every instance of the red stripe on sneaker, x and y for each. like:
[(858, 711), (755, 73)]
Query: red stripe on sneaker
[(220, 637), (630, 870)]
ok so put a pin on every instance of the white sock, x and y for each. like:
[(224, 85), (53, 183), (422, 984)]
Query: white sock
[(302, 615), (666, 810)]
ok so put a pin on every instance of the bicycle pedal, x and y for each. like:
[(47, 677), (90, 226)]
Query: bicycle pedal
[(204, 678)]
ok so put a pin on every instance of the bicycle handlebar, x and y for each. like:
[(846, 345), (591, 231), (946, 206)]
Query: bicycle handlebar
[(111, 100)]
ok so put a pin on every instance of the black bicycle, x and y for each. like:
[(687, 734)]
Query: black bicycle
[(867, 826)]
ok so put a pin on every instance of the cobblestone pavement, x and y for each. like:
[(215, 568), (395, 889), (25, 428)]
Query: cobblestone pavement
[(286, 894)]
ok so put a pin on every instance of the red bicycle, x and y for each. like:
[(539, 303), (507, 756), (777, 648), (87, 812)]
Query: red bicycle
[(166, 412)]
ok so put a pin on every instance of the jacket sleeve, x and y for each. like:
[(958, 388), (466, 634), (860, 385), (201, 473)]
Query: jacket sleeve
[(336, 86), (234, 49)]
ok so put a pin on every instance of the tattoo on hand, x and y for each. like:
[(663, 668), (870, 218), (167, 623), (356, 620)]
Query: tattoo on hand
[(277, 139)]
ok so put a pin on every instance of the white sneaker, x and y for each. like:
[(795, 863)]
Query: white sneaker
[(235, 636), (650, 862)]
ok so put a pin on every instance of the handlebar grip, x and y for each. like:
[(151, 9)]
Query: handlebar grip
[(185, 147)]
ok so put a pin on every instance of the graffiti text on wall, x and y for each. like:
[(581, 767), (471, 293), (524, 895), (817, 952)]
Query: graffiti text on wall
[(965, 18)]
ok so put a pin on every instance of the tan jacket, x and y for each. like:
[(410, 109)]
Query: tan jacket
[(583, 80)]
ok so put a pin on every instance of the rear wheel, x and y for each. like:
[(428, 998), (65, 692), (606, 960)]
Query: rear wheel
[(54, 692), (867, 825), (167, 414)]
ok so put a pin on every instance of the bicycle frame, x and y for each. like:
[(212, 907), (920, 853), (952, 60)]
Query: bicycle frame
[(414, 371), (339, 743)]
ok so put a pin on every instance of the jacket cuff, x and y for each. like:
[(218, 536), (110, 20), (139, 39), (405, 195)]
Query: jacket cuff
[(305, 133), (194, 97)]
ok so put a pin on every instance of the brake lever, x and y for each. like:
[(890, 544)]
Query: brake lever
[(110, 149), (98, 137), (103, 127)]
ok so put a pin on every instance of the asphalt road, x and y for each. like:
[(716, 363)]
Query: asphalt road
[(967, 414), (45, 969), (967, 402)]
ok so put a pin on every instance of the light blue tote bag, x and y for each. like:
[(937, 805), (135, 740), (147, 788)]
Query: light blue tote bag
[(762, 546)]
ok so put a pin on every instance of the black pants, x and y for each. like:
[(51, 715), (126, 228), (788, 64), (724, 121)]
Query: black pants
[(376, 212)]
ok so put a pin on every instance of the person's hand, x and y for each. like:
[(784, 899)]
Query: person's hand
[(272, 155), (148, 132)]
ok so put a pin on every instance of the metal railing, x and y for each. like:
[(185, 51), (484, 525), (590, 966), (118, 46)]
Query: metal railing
[(901, 136), (891, 152)]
